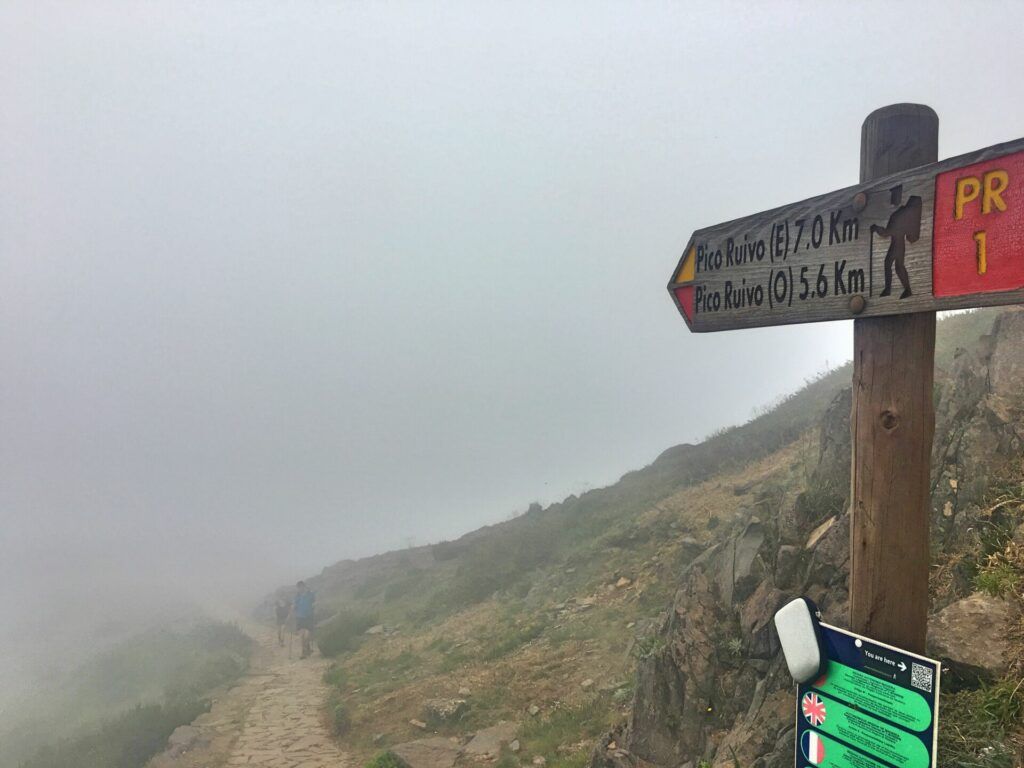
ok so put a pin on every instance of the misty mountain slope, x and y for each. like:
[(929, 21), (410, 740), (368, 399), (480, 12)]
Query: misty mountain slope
[(553, 611), (122, 704)]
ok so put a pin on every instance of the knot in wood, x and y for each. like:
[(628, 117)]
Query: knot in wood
[(890, 420)]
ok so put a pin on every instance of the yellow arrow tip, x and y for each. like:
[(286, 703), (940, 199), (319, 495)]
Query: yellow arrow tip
[(687, 270)]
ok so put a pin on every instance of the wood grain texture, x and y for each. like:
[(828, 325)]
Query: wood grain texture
[(892, 425)]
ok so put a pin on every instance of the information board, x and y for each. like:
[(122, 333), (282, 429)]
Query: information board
[(875, 707), (948, 235)]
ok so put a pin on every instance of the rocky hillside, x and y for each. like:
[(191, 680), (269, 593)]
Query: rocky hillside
[(631, 625), (698, 701)]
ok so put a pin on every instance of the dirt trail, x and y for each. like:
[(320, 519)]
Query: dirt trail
[(272, 718)]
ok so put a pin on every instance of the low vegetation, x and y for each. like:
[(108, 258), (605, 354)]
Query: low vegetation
[(122, 707), (977, 727), (343, 632), (124, 742), (384, 760), (563, 737)]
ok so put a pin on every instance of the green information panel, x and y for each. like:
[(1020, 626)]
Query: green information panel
[(875, 707)]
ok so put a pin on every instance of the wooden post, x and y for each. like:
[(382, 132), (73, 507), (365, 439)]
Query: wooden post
[(892, 424)]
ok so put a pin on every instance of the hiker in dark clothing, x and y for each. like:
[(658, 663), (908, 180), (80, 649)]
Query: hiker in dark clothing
[(281, 612)]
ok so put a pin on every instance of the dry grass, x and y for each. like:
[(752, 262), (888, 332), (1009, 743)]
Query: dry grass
[(513, 653)]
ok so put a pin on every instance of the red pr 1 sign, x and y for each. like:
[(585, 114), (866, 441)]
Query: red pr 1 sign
[(949, 235), (979, 228)]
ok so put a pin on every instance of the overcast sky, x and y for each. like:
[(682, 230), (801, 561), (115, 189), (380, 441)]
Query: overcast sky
[(282, 283)]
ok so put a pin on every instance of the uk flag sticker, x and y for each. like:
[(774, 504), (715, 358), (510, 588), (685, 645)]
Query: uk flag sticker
[(814, 709), (813, 747)]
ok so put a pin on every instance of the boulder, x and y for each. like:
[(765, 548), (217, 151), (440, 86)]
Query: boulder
[(830, 548), (376, 629), (489, 741), (746, 573), (787, 566), (444, 711), (608, 754), (182, 740), (1006, 366), (829, 485), (970, 637), (689, 548), (667, 718), (738, 563), (436, 752), (756, 620), (756, 733)]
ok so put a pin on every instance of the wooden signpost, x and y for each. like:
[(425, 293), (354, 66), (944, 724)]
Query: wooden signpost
[(915, 236)]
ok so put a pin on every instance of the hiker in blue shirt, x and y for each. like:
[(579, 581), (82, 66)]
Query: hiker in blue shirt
[(303, 607)]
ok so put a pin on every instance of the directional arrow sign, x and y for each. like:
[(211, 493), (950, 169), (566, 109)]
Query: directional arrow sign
[(948, 235)]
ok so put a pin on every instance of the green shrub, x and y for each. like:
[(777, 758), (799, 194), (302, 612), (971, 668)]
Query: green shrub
[(447, 550), (125, 742), (1002, 573), (500, 561), (342, 632), (335, 676), (371, 587), (202, 674), (402, 587), (382, 669), (170, 669), (337, 715), (456, 659), (565, 726), (385, 760), (514, 638), (221, 636)]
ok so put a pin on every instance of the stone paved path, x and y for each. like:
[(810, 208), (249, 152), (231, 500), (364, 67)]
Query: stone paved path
[(271, 718), (284, 727)]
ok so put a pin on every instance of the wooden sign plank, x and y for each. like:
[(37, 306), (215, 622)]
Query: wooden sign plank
[(947, 235)]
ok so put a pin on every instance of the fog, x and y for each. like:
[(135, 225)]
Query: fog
[(285, 283)]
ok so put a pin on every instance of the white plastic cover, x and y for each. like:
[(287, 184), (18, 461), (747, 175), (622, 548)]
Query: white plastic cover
[(799, 639)]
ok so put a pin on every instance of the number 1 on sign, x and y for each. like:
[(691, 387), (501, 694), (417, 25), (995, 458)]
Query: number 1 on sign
[(979, 241)]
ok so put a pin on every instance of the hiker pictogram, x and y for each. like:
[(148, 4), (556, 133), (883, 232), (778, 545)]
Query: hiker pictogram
[(904, 227)]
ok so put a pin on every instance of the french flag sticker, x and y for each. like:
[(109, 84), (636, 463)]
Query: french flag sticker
[(813, 747)]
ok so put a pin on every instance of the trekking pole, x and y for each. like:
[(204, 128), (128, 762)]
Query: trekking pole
[(871, 262), (290, 636)]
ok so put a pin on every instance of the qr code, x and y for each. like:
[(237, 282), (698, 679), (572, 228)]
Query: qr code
[(921, 677)]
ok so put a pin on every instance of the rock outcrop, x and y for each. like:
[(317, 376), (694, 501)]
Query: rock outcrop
[(435, 752), (970, 638)]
